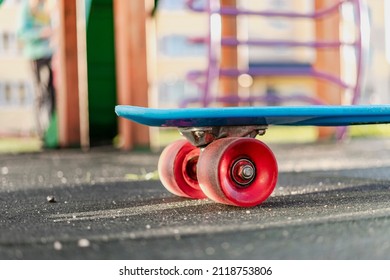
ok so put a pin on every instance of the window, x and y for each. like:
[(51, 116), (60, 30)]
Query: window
[(179, 46), (172, 4), (9, 43), (19, 94)]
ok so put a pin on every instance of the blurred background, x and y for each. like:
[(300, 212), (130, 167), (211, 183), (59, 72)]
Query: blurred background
[(183, 53)]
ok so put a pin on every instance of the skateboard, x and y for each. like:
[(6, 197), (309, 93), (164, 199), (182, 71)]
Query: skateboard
[(220, 157)]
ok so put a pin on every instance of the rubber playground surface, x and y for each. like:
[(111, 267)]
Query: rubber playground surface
[(332, 201)]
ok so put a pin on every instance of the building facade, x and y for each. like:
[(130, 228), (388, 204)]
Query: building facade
[(16, 86)]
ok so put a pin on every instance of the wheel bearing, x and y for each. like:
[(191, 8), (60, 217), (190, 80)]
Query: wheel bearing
[(243, 172)]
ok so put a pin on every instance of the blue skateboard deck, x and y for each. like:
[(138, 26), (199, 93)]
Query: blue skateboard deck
[(246, 116)]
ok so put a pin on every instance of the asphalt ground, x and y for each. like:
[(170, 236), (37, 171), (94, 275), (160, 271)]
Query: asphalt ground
[(332, 201)]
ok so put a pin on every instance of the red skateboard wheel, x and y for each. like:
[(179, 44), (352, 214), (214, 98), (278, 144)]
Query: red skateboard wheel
[(237, 171), (177, 169)]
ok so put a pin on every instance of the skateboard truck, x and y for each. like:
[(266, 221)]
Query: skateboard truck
[(202, 136)]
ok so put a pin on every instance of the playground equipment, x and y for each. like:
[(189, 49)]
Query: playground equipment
[(206, 79)]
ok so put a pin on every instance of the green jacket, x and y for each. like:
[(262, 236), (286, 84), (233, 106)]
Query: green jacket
[(29, 32)]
